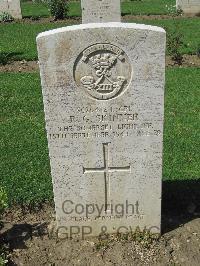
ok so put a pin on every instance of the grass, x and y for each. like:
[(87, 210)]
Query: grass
[(19, 38), (31, 9), (24, 155), (147, 7), (182, 119), (25, 170), (187, 27)]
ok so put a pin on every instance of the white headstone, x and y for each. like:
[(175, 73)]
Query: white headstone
[(103, 91), (100, 11), (12, 7), (188, 6)]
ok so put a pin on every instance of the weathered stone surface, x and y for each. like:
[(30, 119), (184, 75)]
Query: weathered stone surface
[(100, 11), (188, 6), (12, 7), (103, 91)]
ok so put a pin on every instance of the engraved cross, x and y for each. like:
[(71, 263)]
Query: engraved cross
[(106, 170)]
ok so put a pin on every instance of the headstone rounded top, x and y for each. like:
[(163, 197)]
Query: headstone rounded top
[(91, 26)]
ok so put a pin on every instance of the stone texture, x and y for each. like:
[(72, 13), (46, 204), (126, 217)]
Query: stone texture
[(188, 6), (100, 11), (103, 92), (12, 7)]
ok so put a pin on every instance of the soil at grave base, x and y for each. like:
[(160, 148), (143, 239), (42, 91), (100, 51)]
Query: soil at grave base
[(32, 66), (77, 20), (154, 17), (20, 66), (29, 243)]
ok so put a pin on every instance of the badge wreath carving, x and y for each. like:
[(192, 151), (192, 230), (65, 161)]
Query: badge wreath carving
[(103, 71)]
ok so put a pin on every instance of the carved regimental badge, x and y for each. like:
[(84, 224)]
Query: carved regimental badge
[(103, 71)]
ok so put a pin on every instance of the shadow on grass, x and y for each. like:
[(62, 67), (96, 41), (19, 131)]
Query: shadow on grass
[(35, 16), (6, 58), (180, 203)]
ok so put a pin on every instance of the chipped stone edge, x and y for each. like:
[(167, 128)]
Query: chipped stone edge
[(101, 26)]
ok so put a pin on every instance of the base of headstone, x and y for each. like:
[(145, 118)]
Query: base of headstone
[(100, 11), (189, 7), (11, 7)]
